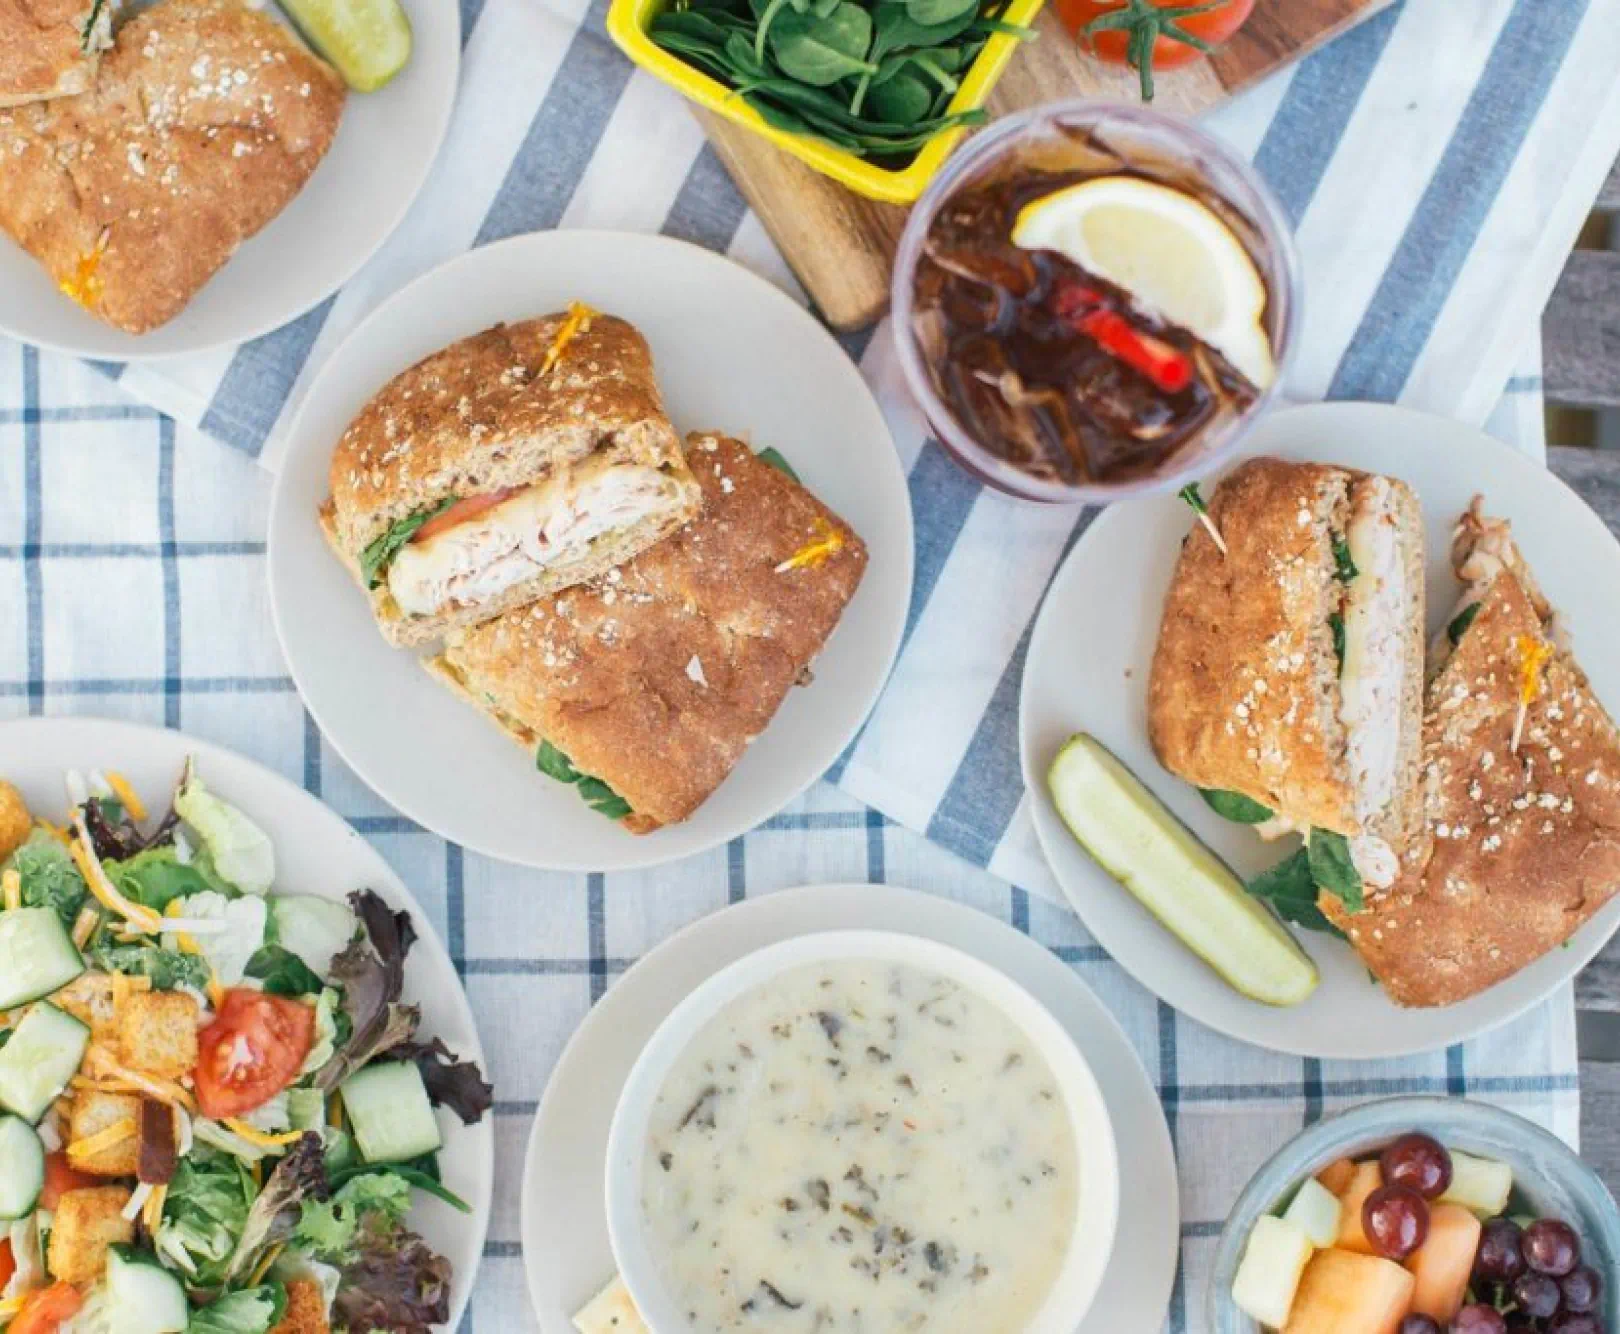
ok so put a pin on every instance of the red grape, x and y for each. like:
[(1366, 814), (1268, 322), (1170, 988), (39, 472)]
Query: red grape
[(1418, 1324), (1479, 1319), (1575, 1322), (1550, 1247), (1396, 1220), (1418, 1161), (1537, 1295), (1581, 1287), (1499, 1259)]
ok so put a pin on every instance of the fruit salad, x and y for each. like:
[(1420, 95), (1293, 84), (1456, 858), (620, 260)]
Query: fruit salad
[(1419, 1239)]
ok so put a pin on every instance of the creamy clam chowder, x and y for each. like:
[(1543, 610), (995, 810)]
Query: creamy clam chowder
[(860, 1147)]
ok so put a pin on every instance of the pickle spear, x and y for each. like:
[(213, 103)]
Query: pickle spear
[(1142, 845), (368, 41)]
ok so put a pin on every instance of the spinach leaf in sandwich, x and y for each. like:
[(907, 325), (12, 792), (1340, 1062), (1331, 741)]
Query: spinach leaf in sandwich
[(1291, 889), (775, 459), (597, 794), (1461, 621), (1344, 565), (382, 549), (1234, 806), (1333, 869)]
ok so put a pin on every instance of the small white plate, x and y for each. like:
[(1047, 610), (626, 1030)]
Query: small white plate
[(732, 353), (316, 853), (1087, 670), (378, 160), (566, 1254)]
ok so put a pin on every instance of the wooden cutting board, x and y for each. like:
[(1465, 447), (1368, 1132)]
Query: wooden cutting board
[(840, 244)]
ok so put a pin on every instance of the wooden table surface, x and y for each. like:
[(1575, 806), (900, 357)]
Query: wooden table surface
[(1595, 474)]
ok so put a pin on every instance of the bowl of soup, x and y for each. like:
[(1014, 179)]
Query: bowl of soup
[(858, 1130)]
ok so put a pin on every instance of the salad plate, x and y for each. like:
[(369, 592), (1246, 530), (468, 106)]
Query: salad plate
[(245, 962), (566, 1250), (1088, 667)]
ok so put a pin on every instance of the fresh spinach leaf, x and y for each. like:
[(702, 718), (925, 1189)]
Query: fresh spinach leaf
[(1291, 889), (1234, 806), (1461, 621), (424, 1176), (821, 51), (930, 13), (1336, 624), (596, 794), (900, 100), (382, 549), (1344, 564), (775, 459), (283, 972), (1333, 869)]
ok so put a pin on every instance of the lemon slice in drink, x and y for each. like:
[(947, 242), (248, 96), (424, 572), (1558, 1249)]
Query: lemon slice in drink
[(1168, 251)]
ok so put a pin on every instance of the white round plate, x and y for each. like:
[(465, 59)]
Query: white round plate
[(1087, 670), (316, 853), (566, 1255), (732, 353), (379, 158)]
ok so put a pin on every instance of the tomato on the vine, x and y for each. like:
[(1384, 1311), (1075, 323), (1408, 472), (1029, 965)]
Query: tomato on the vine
[(1152, 34)]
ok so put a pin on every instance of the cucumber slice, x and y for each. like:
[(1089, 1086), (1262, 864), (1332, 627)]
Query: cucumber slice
[(43, 1054), (22, 1168), (142, 1296), (37, 956), (390, 1113), (1180, 881), (368, 40), (313, 929)]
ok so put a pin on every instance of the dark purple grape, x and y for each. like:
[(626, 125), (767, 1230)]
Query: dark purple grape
[(1419, 1324), (1479, 1319), (1522, 1324), (1418, 1161), (1396, 1220), (1550, 1246), (1499, 1259), (1575, 1322), (1582, 1289), (1537, 1295)]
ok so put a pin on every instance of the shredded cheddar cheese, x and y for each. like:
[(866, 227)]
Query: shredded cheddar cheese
[(55, 831), (334, 1112), (84, 926), (85, 283), (107, 1075), (264, 1140), (263, 1267), (827, 542), (1534, 655), (92, 1146), (126, 794), (11, 888), (136, 916), (577, 322), (12, 1306), (152, 1210)]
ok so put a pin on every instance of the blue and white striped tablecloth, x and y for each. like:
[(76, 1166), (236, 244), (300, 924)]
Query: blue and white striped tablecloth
[(1437, 162)]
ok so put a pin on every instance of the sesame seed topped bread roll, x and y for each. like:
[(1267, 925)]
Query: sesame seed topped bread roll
[(1248, 690), (1523, 842), (510, 465), (205, 120), (653, 679), (50, 48)]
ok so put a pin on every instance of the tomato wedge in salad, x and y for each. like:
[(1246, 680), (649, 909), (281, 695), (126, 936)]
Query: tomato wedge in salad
[(254, 1048), (470, 507), (46, 1309), (8, 1265), (61, 1177)]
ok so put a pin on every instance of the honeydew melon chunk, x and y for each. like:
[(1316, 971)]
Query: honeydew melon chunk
[(1315, 1212), (1480, 1184), (1268, 1276)]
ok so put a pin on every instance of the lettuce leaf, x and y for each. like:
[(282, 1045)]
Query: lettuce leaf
[(241, 852), (49, 877), (204, 1215), (246, 1311), (155, 876), (168, 969)]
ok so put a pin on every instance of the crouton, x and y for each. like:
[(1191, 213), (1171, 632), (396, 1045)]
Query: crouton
[(15, 821), (306, 1309), (89, 999), (87, 1222), (157, 1034), (93, 1113)]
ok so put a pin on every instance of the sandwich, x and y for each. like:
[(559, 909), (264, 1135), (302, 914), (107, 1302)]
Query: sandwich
[(50, 48), (1289, 663), (645, 686), (1520, 794), (204, 121), (507, 466)]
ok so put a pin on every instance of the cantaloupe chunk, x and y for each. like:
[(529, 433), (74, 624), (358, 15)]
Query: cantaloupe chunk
[(1444, 1263), (1345, 1293), (1336, 1175), (1366, 1180)]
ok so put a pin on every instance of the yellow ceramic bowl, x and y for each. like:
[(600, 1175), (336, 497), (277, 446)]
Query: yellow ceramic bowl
[(627, 24)]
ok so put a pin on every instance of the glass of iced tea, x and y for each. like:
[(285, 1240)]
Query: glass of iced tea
[(1093, 300)]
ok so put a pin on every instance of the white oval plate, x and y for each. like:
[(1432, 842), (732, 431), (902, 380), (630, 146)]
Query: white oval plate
[(1087, 670), (732, 353), (379, 158), (566, 1254), (316, 853)]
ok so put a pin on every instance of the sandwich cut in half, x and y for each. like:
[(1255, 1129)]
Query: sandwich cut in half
[(50, 48), (1520, 794), (1289, 667), (507, 466), (646, 686)]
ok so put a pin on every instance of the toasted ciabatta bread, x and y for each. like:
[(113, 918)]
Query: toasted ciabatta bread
[(1524, 845), (550, 439), (655, 678), (50, 48), (205, 119), (1247, 692)]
